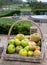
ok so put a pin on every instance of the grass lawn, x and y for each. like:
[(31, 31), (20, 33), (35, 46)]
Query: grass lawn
[(14, 5), (25, 9), (18, 6)]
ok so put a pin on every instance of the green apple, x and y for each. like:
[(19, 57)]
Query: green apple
[(23, 52), (12, 41), (20, 36), (30, 53), (32, 48), (24, 42), (27, 48), (17, 42), (11, 49), (18, 48)]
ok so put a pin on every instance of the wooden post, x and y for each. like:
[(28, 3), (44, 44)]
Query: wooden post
[(33, 29)]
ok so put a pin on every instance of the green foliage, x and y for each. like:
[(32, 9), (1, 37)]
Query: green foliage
[(5, 25), (36, 5), (26, 9), (14, 6), (37, 11), (21, 27), (39, 43), (9, 12)]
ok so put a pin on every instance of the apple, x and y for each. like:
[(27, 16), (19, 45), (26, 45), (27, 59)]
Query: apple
[(35, 37), (27, 37), (27, 48), (31, 43), (20, 36), (37, 53), (37, 48), (17, 42), (23, 52), (24, 42), (12, 41), (11, 49), (30, 53), (32, 48), (18, 48)]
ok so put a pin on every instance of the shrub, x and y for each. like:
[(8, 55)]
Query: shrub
[(37, 11), (9, 13), (21, 27)]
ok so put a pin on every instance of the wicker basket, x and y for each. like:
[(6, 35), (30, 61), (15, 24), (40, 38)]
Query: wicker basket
[(15, 56)]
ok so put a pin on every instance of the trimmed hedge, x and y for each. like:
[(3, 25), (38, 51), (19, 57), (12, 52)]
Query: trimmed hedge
[(37, 11), (9, 13), (21, 27)]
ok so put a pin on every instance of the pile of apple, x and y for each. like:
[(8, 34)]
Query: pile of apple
[(25, 45)]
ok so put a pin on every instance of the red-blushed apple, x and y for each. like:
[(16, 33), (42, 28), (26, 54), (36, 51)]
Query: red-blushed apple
[(11, 49), (23, 52), (30, 53), (31, 43), (20, 36)]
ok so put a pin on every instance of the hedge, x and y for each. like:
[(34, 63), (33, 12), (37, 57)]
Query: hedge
[(21, 27), (9, 12), (37, 11)]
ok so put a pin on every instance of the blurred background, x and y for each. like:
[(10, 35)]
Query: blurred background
[(12, 10)]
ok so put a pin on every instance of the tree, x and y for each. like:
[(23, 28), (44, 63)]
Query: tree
[(38, 5)]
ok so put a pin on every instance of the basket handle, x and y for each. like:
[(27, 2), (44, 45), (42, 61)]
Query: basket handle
[(27, 21)]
